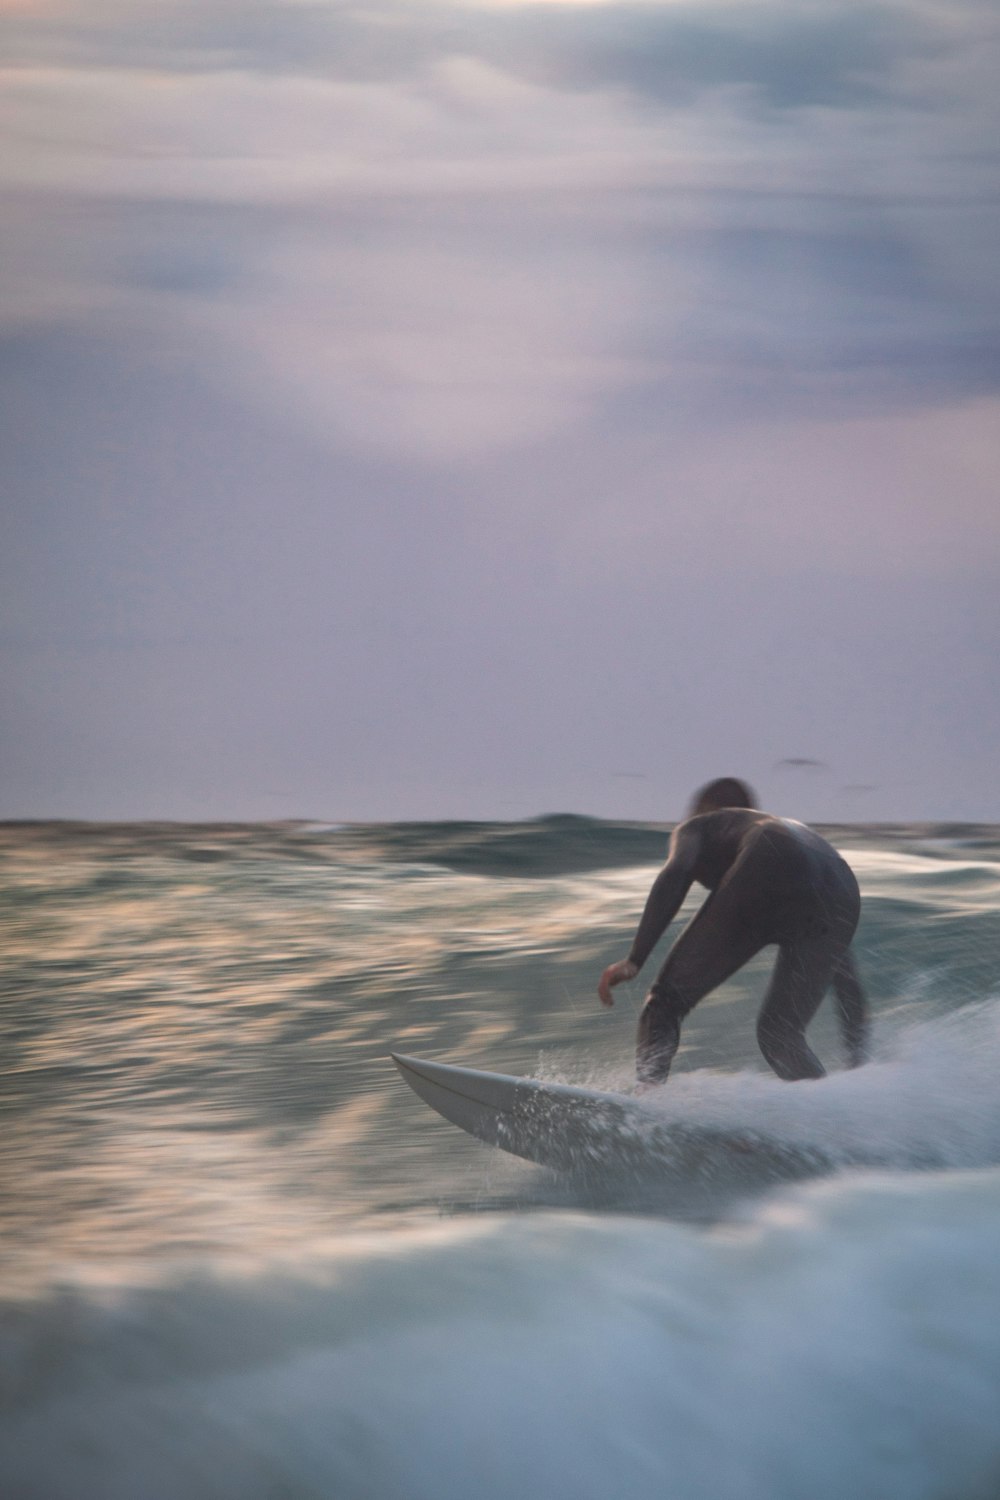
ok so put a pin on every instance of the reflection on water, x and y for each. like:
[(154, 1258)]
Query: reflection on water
[(195, 1022)]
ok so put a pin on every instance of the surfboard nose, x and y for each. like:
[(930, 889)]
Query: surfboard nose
[(467, 1098), (419, 1065), (422, 1074), (443, 1084)]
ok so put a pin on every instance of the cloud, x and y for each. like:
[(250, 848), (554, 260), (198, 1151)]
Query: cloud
[(791, 55), (785, 57), (404, 343), (449, 229)]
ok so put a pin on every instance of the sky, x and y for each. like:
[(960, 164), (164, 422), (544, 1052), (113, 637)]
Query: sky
[(483, 410)]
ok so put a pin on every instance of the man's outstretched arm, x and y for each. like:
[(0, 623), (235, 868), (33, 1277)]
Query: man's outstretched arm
[(662, 905)]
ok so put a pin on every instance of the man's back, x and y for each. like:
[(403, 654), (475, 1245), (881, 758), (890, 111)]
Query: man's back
[(784, 853)]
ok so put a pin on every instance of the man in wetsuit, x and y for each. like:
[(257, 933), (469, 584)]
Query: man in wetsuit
[(770, 881)]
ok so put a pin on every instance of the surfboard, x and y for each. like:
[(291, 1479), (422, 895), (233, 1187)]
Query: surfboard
[(592, 1132)]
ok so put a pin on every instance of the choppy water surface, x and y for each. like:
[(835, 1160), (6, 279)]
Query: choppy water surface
[(242, 1259)]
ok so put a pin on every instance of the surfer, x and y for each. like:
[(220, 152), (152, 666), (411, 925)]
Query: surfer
[(770, 880)]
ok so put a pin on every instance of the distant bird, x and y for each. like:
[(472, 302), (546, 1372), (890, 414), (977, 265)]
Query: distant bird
[(801, 763)]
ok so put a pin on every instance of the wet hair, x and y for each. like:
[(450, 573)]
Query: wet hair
[(726, 791)]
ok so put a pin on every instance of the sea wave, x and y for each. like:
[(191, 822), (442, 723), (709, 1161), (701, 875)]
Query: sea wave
[(843, 1338)]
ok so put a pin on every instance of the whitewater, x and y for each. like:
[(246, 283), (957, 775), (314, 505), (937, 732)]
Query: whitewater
[(238, 1258)]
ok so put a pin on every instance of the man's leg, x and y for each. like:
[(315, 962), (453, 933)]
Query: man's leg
[(716, 943), (799, 982), (852, 1008)]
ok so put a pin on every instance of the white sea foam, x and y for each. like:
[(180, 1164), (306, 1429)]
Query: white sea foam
[(843, 1339), (929, 1099)]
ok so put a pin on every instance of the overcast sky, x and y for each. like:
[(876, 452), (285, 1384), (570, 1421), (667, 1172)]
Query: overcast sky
[(478, 410)]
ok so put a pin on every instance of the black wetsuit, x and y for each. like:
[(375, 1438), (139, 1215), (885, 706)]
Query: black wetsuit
[(770, 881)]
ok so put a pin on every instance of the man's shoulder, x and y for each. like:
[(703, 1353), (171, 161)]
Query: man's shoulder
[(714, 835), (725, 821)]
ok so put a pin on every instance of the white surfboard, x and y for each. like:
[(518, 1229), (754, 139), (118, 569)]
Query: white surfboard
[(587, 1131)]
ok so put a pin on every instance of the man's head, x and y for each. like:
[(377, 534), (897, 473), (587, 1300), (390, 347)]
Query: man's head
[(725, 792)]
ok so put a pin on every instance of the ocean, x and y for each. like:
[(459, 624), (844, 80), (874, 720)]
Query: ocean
[(240, 1260)]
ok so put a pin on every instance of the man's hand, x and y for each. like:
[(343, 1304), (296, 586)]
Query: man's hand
[(617, 973)]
